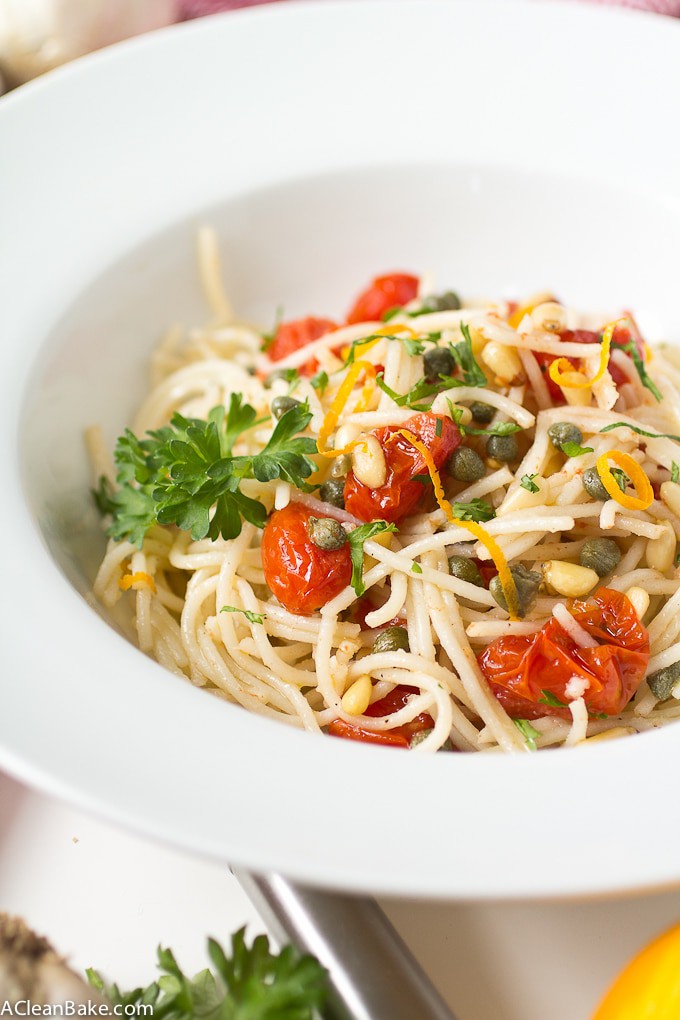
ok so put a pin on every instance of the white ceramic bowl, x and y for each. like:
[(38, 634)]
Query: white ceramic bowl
[(504, 147)]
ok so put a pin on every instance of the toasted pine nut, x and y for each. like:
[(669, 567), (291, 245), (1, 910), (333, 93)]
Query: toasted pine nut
[(522, 498), (440, 405), (345, 435), (660, 551), (357, 698), (550, 317), (670, 494), (503, 361), (368, 462), (569, 579), (639, 599)]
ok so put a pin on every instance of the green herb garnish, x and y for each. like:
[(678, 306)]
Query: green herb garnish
[(529, 732), (675, 472), (640, 432), (574, 449), (250, 616), (251, 984), (550, 699), (527, 482), (462, 352), (356, 541), (185, 474), (320, 381), (501, 428), (416, 568), (631, 348), (268, 338), (476, 510)]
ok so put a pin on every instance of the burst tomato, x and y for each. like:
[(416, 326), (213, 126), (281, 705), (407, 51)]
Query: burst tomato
[(521, 668), (400, 495), (622, 335), (290, 336), (301, 575), (400, 736), (385, 292)]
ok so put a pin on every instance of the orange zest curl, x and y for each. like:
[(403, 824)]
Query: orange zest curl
[(641, 483), (562, 371), (139, 581), (337, 407), (487, 540)]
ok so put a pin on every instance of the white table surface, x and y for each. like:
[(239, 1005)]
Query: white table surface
[(107, 898)]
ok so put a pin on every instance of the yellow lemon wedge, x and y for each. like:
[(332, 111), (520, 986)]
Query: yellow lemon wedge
[(649, 987)]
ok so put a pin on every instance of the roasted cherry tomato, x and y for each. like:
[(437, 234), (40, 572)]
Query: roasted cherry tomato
[(385, 292), (521, 668), (622, 335), (400, 495), (301, 575), (400, 736), (290, 336)]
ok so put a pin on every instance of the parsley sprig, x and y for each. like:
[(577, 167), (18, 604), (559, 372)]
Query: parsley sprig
[(251, 984), (356, 539), (185, 473)]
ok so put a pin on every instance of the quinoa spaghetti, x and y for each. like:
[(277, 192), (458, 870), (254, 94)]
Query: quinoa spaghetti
[(431, 526)]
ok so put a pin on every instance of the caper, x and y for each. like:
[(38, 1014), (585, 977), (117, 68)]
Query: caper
[(465, 570), (564, 432), (600, 554), (282, 404), (482, 412), (392, 639), (466, 465), (662, 682), (502, 448), (333, 492), (446, 302), (418, 738), (438, 361), (341, 465), (592, 483), (326, 532), (526, 583)]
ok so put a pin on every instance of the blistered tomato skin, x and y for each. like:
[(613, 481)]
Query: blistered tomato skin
[(400, 736), (302, 576), (384, 293), (520, 669), (291, 336), (400, 495)]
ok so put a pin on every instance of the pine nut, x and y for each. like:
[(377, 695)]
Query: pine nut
[(477, 341), (660, 552), (357, 698), (670, 494), (503, 361), (345, 435), (521, 498), (368, 462), (569, 579), (549, 317), (576, 397), (639, 599)]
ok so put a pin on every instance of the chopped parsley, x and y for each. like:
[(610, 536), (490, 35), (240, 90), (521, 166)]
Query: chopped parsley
[(320, 381), (640, 432), (185, 473), (574, 449), (501, 428), (416, 568), (675, 472), (529, 732), (250, 616), (550, 699), (476, 510), (527, 482), (356, 539)]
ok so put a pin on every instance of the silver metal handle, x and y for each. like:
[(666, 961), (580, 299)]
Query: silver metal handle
[(373, 974)]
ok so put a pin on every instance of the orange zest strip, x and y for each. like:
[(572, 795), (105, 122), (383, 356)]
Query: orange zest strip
[(519, 313), (368, 390), (336, 408), (641, 483), (562, 371), (487, 540), (138, 580)]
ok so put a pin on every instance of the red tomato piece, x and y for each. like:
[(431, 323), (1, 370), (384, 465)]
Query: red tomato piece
[(400, 736), (400, 495), (385, 292), (290, 336), (520, 669), (302, 576)]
